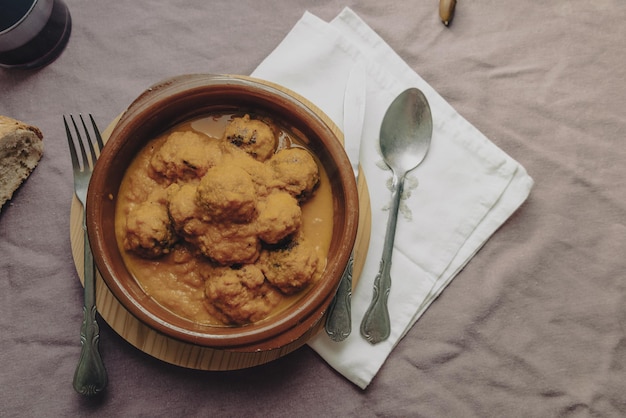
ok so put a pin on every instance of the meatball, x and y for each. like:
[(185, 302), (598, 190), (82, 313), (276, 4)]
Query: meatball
[(253, 136), (240, 296), (295, 171), (182, 206), (139, 187), (260, 173), (227, 193), (279, 216), (292, 268), (225, 243), (149, 231), (185, 155)]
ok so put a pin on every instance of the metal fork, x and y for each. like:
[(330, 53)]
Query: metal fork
[(90, 377)]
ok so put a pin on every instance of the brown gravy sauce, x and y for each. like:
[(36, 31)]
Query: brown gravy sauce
[(173, 280)]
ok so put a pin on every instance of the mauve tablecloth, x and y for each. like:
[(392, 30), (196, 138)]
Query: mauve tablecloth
[(532, 327)]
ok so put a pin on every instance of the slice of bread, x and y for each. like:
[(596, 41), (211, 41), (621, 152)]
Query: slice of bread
[(21, 148)]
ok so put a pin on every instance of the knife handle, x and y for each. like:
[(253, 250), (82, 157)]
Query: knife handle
[(339, 319)]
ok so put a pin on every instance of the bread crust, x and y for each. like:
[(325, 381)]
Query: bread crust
[(21, 148)]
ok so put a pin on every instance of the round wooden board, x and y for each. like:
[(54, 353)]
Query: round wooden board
[(190, 355)]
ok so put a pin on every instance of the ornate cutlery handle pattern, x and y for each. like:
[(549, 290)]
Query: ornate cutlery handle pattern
[(376, 325), (90, 377), (339, 319)]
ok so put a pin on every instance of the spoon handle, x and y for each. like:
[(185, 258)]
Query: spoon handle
[(376, 326), (90, 377)]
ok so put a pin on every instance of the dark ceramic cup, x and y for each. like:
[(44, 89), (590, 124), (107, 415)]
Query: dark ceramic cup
[(33, 33)]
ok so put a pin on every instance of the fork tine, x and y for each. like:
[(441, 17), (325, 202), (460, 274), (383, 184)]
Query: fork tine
[(83, 152), (97, 131), (70, 141), (92, 151)]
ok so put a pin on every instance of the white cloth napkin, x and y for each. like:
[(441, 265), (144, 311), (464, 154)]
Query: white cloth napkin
[(453, 202)]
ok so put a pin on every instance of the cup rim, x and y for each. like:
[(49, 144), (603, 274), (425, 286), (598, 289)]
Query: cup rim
[(27, 27)]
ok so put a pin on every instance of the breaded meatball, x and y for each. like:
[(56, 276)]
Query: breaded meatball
[(279, 216), (227, 244), (182, 205), (292, 268), (295, 171), (260, 173), (253, 136), (227, 193), (149, 231), (185, 155), (224, 242), (139, 188), (240, 296)]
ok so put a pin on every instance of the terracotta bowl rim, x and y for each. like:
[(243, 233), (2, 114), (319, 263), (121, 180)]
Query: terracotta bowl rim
[(145, 110)]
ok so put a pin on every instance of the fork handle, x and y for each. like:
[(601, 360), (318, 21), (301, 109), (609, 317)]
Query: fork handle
[(90, 377)]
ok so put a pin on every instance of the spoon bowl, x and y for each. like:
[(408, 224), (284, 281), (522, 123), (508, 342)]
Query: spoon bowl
[(405, 136), (406, 131)]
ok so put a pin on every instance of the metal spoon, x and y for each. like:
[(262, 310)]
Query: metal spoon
[(404, 141)]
